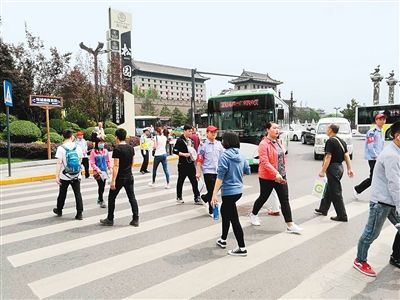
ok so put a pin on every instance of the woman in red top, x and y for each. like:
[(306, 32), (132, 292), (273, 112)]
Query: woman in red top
[(272, 175)]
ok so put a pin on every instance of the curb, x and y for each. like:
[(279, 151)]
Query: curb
[(53, 176)]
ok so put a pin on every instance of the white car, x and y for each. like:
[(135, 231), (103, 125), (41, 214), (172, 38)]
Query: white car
[(293, 131)]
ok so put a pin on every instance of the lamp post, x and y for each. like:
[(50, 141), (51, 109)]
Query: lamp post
[(336, 108)]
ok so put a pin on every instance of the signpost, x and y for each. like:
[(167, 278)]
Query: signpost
[(7, 87), (46, 103)]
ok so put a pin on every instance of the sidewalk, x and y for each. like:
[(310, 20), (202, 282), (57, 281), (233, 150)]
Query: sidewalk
[(38, 170)]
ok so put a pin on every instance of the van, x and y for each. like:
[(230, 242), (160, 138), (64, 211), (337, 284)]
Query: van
[(321, 137)]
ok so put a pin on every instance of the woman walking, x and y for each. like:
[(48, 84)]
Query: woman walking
[(100, 163), (231, 166), (272, 175), (160, 156)]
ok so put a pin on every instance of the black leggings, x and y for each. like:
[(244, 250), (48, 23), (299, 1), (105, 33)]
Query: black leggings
[(230, 215), (282, 190)]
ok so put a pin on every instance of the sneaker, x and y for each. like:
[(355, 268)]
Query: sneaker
[(394, 262), (167, 186), (339, 219), (364, 268), (179, 200), (317, 211), (238, 252), (221, 243), (147, 171), (79, 216), (254, 220), (134, 222), (198, 201), (102, 204), (294, 229), (106, 222), (211, 215), (151, 184), (57, 212), (355, 194), (142, 172)]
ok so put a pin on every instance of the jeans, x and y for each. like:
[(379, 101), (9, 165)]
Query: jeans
[(85, 163), (333, 191), (101, 184), (145, 154), (186, 170), (128, 185), (378, 213), (163, 160), (367, 182), (76, 187), (282, 191), (230, 215)]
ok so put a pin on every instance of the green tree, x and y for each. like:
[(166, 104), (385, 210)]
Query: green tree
[(165, 111), (178, 118), (147, 108), (350, 111)]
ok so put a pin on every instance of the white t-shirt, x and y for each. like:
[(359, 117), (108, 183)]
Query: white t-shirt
[(161, 141), (61, 154)]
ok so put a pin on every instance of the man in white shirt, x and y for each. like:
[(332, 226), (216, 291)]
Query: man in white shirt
[(69, 159)]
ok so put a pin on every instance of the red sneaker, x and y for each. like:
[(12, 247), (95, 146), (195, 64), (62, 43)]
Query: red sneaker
[(364, 268)]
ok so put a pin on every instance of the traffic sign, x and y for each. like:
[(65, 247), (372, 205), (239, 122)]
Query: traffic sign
[(7, 93)]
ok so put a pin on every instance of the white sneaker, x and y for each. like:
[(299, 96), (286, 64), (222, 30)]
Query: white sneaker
[(294, 229), (150, 184), (355, 194), (179, 201), (254, 220), (167, 186)]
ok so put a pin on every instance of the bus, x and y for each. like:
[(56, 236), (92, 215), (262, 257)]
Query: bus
[(246, 113), (142, 122), (365, 117)]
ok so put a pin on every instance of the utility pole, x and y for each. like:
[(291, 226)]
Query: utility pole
[(192, 100), (336, 108)]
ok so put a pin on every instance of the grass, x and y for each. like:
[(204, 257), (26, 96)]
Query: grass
[(4, 160)]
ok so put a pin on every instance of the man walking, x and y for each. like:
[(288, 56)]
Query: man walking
[(335, 153), (186, 167), (68, 172), (385, 203), (207, 161), (122, 178), (81, 142), (144, 149), (373, 146)]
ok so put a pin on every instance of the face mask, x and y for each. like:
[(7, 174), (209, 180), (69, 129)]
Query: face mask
[(101, 146)]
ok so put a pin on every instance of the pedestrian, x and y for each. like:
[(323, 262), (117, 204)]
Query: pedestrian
[(81, 142), (207, 163), (272, 176), (160, 156), (68, 172), (384, 203), (100, 163), (335, 153), (231, 167), (144, 149), (186, 167), (168, 145), (374, 143), (122, 178), (98, 132), (195, 139)]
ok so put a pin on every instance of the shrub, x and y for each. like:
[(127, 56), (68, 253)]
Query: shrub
[(133, 141), (76, 116), (109, 124), (110, 131), (110, 139), (24, 131), (87, 133), (3, 120), (27, 150), (59, 125), (44, 131), (54, 138)]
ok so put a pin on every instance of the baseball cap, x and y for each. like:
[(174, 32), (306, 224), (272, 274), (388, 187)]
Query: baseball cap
[(380, 116), (79, 133), (211, 128)]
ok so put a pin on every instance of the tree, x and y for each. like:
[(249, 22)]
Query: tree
[(147, 108), (178, 118), (350, 111), (165, 111)]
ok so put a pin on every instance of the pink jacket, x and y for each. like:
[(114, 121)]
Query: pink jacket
[(97, 163), (268, 159)]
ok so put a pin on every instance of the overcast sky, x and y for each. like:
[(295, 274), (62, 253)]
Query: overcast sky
[(322, 50)]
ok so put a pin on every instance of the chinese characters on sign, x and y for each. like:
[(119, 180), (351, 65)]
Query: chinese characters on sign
[(35, 100), (241, 103)]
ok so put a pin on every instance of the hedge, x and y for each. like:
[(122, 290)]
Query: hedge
[(27, 150), (44, 131), (3, 120), (54, 138), (87, 133), (24, 132), (60, 125), (109, 124), (110, 131)]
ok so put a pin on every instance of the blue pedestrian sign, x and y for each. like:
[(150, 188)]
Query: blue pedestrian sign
[(7, 93)]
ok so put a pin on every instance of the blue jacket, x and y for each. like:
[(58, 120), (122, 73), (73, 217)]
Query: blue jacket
[(231, 166), (373, 143)]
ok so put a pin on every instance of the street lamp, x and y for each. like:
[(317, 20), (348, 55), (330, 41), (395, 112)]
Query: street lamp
[(336, 108)]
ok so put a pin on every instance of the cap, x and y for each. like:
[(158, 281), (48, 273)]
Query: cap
[(79, 133), (380, 116), (211, 128)]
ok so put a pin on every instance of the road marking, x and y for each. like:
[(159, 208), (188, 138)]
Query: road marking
[(338, 279), (223, 269)]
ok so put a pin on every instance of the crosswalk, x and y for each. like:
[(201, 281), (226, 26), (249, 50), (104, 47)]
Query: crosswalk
[(172, 254)]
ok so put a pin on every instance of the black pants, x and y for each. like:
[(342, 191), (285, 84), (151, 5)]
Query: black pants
[(282, 191), (85, 163), (230, 215), (367, 182), (101, 184), (396, 247), (128, 185), (333, 191), (145, 154), (186, 170), (209, 180), (76, 187)]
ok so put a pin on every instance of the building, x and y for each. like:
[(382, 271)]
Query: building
[(173, 85), (251, 80)]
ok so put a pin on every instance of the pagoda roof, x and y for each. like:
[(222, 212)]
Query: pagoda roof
[(248, 76)]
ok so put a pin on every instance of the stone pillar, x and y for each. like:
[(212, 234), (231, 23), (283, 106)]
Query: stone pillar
[(376, 79), (391, 81)]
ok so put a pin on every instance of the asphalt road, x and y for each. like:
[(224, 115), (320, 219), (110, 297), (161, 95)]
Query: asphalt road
[(173, 254)]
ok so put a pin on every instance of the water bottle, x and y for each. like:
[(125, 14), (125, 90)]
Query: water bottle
[(215, 212)]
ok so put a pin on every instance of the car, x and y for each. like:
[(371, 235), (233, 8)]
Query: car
[(294, 131), (308, 136)]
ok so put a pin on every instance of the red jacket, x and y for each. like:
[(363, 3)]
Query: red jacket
[(268, 159)]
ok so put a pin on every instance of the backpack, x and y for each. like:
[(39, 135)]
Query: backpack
[(73, 165)]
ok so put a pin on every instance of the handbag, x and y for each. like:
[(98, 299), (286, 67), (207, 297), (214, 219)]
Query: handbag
[(319, 187)]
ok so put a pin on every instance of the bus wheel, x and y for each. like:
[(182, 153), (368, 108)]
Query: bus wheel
[(303, 140)]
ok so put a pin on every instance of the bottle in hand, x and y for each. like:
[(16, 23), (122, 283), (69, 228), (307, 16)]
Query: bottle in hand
[(215, 212)]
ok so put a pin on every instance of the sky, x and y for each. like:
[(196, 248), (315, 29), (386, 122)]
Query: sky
[(323, 51)]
